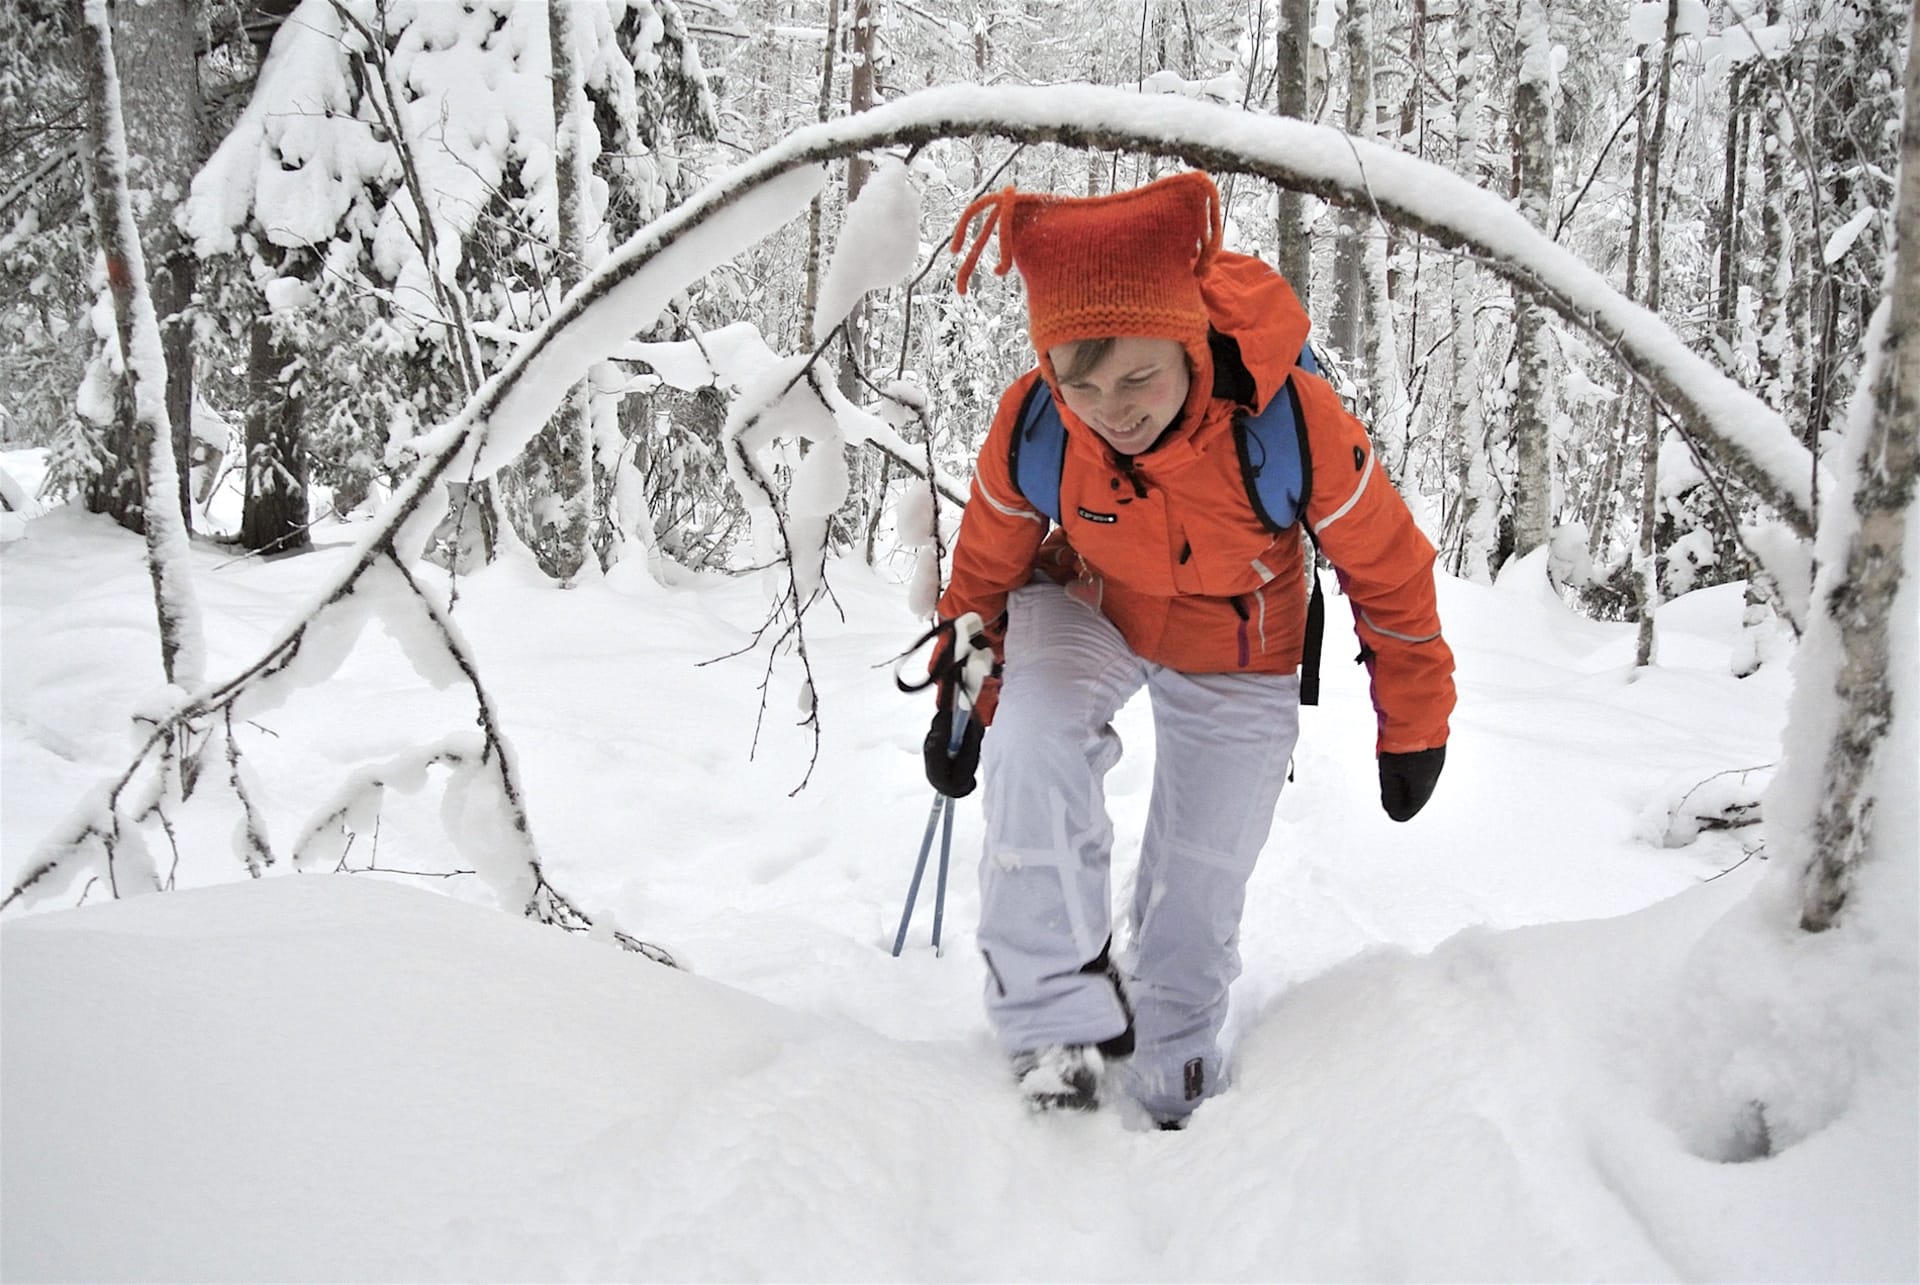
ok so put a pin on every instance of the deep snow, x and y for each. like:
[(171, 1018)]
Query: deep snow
[(1510, 1040)]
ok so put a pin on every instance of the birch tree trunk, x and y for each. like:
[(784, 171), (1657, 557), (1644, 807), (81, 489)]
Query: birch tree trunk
[(561, 457), (1857, 637), (1776, 264), (1533, 390), (1648, 598), (1293, 79), (1479, 506), (182, 645), (1388, 407), (163, 147)]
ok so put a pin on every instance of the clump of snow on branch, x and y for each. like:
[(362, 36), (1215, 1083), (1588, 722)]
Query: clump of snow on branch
[(879, 245), (916, 518), (723, 358), (628, 302), (307, 166), (289, 157), (485, 829), (1720, 801), (914, 523), (1846, 234), (354, 807), (1647, 21), (782, 424)]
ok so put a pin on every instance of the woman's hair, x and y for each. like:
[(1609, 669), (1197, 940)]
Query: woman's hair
[(1082, 356)]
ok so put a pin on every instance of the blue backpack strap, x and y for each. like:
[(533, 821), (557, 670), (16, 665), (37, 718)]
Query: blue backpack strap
[(1277, 467), (1274, 460), (1039, 450)]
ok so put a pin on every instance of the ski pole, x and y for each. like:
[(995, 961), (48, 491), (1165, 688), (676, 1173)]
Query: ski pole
[(942, 810), (940, 884), (940, 802)]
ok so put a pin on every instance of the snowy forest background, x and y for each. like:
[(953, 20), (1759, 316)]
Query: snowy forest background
[(344, 249), (578, 344)]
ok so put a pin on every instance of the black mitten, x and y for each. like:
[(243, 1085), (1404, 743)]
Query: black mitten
[(951, 769), (1407, 780)]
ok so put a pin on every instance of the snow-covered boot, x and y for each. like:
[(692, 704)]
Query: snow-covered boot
[(1060, 1077)]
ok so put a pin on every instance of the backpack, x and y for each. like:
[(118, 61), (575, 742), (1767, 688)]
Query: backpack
[(1274, 464)]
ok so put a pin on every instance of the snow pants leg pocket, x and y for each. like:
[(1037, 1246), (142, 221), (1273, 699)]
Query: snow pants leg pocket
[(1222, 742), (1044, 890)]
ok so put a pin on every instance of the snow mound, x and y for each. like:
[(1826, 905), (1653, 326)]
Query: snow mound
[(328, 1077)]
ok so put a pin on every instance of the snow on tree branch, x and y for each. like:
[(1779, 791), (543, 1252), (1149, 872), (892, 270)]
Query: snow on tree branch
[(1740, 432)]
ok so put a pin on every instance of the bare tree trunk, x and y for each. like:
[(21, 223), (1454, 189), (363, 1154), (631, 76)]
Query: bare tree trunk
[(165, 145), (812, 298), (983, 28), (560, 460), (1727, 225), (859, 99), (1533, 394), (1853, 636), (1649, 578), (182, 644), (1609, 490), (273, 514), (1293, 48), (1347, 313)]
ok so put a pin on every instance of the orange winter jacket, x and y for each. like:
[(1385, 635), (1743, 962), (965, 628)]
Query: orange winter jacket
[(1168, 545)]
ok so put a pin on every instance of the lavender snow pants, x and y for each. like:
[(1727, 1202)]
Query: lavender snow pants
[(1221, 745)]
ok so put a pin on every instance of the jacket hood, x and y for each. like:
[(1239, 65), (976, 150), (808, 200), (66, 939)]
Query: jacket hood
[(1255, 305)]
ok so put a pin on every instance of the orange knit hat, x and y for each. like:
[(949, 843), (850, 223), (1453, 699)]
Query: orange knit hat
[(1124, 264)]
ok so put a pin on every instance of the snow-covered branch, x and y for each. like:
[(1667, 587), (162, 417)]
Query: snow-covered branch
[(1739, 432)]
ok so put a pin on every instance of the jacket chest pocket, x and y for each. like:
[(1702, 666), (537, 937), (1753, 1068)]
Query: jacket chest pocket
[(1126, 538), (1221, 552)]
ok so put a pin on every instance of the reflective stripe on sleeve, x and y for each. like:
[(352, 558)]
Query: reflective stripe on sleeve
[(1011, 510), (1367, 620), (1366, 474)]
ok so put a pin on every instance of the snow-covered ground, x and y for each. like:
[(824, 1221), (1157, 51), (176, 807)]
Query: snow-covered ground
[(1510, 1040)]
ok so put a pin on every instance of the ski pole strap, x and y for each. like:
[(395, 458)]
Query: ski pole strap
[(962, 658)]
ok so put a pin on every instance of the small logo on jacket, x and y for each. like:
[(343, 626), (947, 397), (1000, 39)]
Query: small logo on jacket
[(1091, 516)]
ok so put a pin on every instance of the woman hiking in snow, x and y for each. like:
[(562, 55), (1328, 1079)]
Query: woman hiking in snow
[(1168, 569)]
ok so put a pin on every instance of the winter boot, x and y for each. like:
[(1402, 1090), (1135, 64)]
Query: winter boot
[(1060, 1077)]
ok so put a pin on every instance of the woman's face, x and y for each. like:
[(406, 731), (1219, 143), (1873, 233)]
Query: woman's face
[(1131, 394)]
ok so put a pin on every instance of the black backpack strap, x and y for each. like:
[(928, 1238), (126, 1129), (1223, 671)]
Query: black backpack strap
[(1316, 601), (1316, 627)]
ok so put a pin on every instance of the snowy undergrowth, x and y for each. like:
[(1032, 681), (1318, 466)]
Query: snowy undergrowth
[(1511, 1040)]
